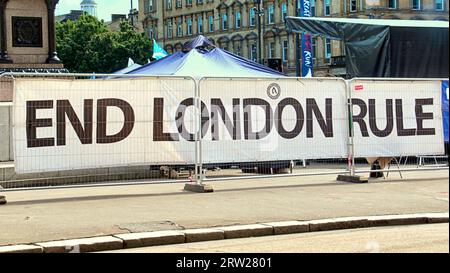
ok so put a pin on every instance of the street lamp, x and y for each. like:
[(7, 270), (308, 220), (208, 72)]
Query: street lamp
[(260, 12)]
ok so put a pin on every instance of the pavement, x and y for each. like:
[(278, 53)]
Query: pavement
[(63, 214), (398, 239)]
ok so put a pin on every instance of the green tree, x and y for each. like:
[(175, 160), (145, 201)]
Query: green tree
[(87, 46)]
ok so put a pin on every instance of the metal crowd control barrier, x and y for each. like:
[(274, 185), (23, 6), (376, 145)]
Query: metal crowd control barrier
[(217, 129), (229, 151), (121, 165), (397, 96)]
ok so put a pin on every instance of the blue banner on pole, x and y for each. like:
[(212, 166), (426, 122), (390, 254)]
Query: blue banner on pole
[(307, 52), (445, 109)]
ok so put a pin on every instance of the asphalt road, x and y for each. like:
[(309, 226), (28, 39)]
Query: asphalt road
[(431, 238), (46, 215)]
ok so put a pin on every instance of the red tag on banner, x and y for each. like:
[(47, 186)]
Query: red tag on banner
[(359, 88)]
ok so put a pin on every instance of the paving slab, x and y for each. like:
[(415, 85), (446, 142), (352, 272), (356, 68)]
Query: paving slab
[(340, 223), (82, 245), (244, 231), (392, 220), (204, 234), (143, 239), (436, 218), (16, 249), (288, 227)]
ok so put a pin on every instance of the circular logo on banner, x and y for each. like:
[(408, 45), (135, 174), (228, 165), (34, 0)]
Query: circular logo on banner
[(274, 91)]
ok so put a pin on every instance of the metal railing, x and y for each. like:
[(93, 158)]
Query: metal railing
[(215, 150)]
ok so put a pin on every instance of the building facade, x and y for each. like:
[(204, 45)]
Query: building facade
[(90, 7), (117, 19), (233, 25), (86, 6)]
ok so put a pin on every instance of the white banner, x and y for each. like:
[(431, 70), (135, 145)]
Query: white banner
[(397, 118), (79, 124), (115, 121), (282, 119)]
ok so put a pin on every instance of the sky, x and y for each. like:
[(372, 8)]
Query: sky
[(104, 9)]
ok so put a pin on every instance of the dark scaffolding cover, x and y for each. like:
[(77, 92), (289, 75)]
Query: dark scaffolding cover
[(384, 48)]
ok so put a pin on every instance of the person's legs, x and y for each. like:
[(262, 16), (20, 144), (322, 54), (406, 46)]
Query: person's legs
[(376, 166)]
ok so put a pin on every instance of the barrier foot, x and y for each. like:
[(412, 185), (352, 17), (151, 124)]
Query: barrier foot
[(352, 179), (2, 200), (201, 188)]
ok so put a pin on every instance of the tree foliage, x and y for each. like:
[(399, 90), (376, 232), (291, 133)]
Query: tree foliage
[(87, 46)]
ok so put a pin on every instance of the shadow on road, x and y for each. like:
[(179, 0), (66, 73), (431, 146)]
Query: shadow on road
[(181, 192)]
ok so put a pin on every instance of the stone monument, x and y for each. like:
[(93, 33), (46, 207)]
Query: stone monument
[(27, 36)]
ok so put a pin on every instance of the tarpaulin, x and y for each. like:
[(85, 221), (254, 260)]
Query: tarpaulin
[(384, 48), (200, 58)]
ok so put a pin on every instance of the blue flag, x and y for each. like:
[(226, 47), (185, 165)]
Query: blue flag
[(158, 51), (445, 109)]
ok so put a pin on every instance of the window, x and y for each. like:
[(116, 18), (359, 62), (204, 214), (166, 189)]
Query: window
[(148, 5), (285, 51), (283, 12), (238, 19), (189, 26), (211, 23), (169, 29), (353, 7), (179, 4), (270, 14), (416, 4), (313, 47), (313, 7), (179, 28), (327, 8), (252, 17), (327, 48), (224, 21), (253, 55), (271, 50), (169, 4), (150, 33), (238, 50), (392, 4), (188, 2), (200, 24), (439, 5)]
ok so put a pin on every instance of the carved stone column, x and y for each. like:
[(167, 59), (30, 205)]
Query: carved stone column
[(52, 54), (4, 58)]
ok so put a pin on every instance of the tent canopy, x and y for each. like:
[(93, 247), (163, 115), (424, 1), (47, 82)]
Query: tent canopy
[(384, 48), (200, 58), (128, 69)]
